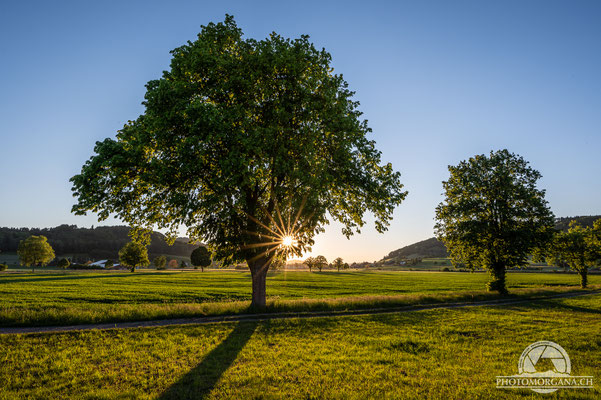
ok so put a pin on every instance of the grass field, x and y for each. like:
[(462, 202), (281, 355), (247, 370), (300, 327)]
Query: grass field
[(84, 297), (436, 354)]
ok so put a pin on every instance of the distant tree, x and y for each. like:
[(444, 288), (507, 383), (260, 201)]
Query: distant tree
[(311, 262), (64, 263), (576, 248), (133, 255), (34, 251), (200, 257), (321, 262), (338, 263), (173, 264), (159, 262), (493, 215), (109, 264), (277, 263), (230, 135)]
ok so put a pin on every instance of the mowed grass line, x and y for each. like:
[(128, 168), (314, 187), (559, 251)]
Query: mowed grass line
[(433, 354), (81, 298)]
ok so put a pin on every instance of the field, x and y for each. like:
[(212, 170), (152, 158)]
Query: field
[(430, 354), (80, 297), (436, 354)]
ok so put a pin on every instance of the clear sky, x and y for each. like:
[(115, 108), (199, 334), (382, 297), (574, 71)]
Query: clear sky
[(439, 81)]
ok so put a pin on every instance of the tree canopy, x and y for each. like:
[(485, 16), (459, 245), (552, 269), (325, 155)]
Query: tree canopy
[(250, 144), (64, 263), (201, 257), (133, 255), (339, 264), (579, 248), (34, 251), (321, 262), (160, 262), (493, 215)]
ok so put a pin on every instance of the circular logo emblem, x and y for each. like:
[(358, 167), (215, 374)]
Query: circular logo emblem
[(544, 360)]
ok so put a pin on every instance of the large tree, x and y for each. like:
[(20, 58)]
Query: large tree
[(578, 248), (34, 251), (493, 215), (250, 144)]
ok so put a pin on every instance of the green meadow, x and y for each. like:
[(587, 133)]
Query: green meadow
[(85, 297), (434, 354)]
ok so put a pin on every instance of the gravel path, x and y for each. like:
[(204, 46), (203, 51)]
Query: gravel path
[(284, 315)]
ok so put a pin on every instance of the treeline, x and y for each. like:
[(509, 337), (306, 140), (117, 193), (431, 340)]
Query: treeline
[(103, 242)]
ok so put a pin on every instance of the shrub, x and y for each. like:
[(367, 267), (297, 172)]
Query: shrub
[(3, 267)]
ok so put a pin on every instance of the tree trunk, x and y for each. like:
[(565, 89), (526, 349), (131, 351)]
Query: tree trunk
[(583, 272), (258, 271), (497, 282)]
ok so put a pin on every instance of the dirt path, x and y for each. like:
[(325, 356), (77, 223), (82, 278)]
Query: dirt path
[(284, 315)]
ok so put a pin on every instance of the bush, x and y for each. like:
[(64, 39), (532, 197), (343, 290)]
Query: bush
[(446, 269), (3, 267)]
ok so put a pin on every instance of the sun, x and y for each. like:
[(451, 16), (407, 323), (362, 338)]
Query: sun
[(288, 241)]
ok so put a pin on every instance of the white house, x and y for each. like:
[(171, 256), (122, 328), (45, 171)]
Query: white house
[(99, 264)]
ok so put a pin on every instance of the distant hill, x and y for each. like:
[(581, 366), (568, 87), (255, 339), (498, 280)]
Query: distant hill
[(84, 244), (434, 248), (563, 223), (426, 248)]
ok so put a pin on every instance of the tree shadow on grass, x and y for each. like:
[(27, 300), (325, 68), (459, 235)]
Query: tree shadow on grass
[(71, 276), (200, 381)]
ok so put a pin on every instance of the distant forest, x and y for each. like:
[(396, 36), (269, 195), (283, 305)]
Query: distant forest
[(436, 249), (85, 244)]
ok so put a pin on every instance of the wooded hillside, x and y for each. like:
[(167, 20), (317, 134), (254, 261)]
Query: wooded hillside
[(84, 244)]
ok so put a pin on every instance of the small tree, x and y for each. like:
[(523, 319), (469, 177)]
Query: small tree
[(311, 263), (173, 264), (159, 262), (133, 255), (64, 263), (35, 250), (109, 264), (338, 263), (321, 262), (200, 257), (493, 215), (576, 248)]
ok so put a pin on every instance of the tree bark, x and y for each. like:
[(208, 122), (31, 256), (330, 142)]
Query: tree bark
[(258, 271), (497, 282), (583, 277)]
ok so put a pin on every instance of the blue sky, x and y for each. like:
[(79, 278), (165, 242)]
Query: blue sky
[(439, 81)]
